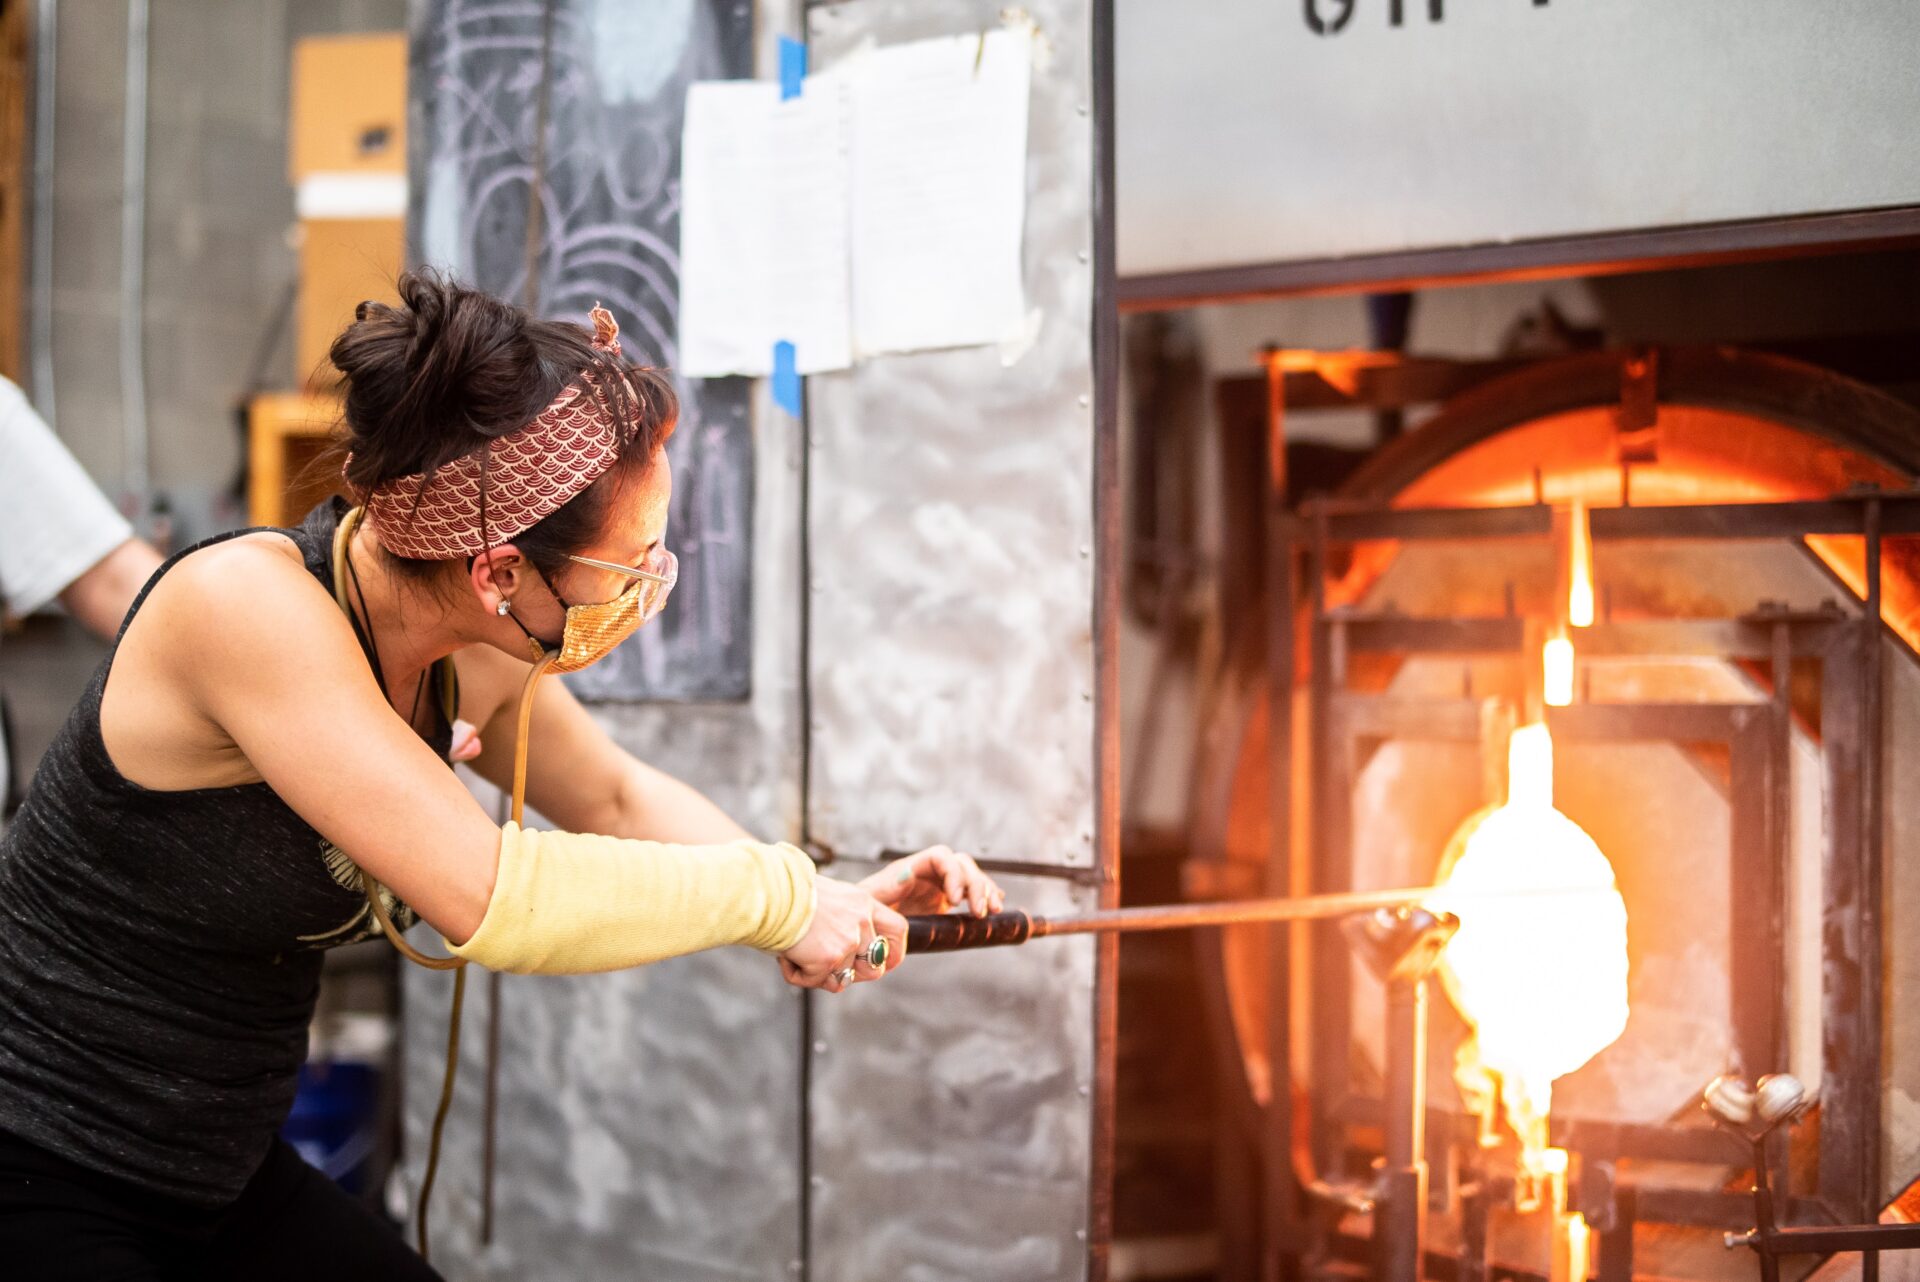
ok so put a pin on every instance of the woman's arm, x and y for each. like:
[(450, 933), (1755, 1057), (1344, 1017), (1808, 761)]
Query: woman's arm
[(238, 645), (240, 663), (577, 776), (581, 779), (100, 596)]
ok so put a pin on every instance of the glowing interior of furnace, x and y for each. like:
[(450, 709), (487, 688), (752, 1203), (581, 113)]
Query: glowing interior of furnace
[(1539, 966)]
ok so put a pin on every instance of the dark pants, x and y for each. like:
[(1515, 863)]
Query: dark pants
[(59, 1221)]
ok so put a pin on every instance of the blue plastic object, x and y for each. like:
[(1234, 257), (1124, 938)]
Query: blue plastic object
[(335, 1120)]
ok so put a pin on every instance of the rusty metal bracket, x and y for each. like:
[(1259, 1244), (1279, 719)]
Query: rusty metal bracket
[(1636, 418)]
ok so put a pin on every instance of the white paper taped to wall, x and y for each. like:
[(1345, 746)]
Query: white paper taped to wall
[(938, 159), (763, 227), (882, 210)]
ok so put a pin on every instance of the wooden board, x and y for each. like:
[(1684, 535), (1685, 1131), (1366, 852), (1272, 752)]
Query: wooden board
[(286, 434)]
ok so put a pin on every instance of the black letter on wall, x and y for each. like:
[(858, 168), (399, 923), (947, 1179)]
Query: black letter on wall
[(1320, 26)]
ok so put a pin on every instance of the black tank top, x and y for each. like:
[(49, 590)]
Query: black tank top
[(160, 955)]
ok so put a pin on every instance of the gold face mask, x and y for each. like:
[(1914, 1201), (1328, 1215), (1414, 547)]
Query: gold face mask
[(592, 631)]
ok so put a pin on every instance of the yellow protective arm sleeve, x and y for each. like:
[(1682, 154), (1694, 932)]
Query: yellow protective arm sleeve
[(566, 903)]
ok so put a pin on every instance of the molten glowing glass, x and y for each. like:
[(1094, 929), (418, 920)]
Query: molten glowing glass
[(1556, 661), (1541, 975)]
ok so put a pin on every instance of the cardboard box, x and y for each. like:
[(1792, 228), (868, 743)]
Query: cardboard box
[(342, 262), (347, 157), (349, 110)]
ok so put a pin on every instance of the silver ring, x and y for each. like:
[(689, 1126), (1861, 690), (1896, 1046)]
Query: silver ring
[(878, 950), (844, 974)]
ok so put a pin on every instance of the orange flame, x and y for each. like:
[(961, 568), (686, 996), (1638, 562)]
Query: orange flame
[(1540, 976), (1580, 567)]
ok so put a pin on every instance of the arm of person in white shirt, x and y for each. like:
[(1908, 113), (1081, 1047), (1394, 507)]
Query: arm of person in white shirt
[(100, 596), (59, 536)]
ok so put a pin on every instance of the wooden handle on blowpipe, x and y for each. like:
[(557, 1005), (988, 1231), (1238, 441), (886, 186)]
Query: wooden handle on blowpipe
[(952, 932)]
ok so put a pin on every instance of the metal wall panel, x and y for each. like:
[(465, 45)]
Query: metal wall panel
[(649, 1120), (951, 522), (952, 688), (1247, 138), (949, 1111)]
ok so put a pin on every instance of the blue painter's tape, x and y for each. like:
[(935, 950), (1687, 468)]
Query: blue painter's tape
[(793, 67), (786, 378)]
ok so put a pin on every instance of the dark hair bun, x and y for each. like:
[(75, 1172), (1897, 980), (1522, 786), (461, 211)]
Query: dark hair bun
[(444, 372)]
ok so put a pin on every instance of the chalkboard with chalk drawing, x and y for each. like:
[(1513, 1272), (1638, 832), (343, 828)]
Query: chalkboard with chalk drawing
[(607, 232)]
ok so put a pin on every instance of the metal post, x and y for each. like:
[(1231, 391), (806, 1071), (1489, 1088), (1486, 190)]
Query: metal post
[(1107, 506), (45, 88), (136, 479), (1763, 1211), (1278, 1222), (1331, 1002), (1616, 1240), (1401, 946), (1475, 1205), (1400, 1231), (1872, 882)]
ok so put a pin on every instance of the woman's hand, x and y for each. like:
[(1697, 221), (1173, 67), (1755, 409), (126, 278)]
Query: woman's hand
[(466, 742), (936, 880), (846, 920)]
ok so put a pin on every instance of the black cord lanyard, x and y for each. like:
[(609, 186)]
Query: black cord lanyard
[(369, 647)]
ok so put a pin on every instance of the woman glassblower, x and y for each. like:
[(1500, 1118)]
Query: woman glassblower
[(259, 771)]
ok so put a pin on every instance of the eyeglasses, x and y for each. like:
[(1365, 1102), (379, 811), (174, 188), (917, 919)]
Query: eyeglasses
[(660, 573)]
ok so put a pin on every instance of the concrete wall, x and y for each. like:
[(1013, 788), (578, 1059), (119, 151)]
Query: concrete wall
[(219, 213), (219, 259)]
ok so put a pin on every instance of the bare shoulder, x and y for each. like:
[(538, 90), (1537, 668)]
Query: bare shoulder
[(227, 602), (230, 572), (236, 627)]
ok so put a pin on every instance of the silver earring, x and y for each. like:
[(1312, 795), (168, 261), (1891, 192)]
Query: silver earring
[(502, 608)]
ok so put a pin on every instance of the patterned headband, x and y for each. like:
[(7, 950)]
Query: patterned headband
[(528, 474)]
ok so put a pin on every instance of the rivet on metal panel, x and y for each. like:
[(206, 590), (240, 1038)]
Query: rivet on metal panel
[(1082, 255), (1086, 696), (1084, 400), (817, 1181), (820, 1048), (1084, 1090), (1080, 1235), (1081, 109), (1086, 552)]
